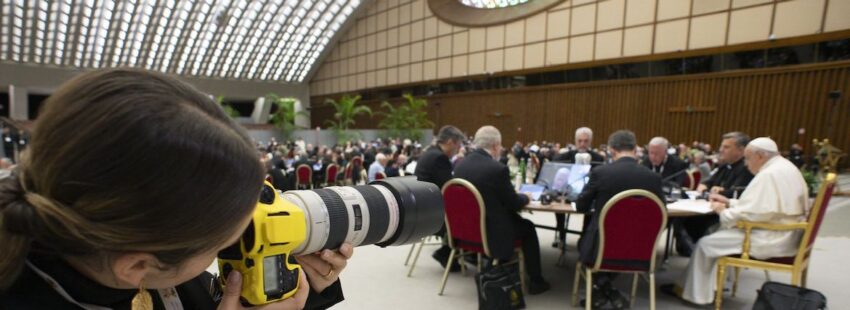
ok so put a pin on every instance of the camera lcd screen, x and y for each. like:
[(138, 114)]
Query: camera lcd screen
[(272, 282)]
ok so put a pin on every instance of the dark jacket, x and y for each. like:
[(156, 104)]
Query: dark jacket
[(31, 291), (671, 166), (434, 166), (732, 178), (605, 182), (570, 157), (501, 201)]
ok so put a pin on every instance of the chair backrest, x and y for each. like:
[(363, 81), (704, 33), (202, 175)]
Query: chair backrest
[(303, 174), (697, 178), (815, 217), (630, 226), (380, 175), (346, 174), (357, 161), (330, 173), (689, 181), (356, 167), (465, 215)]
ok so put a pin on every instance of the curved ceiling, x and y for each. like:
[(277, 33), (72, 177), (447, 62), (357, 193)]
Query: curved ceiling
[(265, 40)]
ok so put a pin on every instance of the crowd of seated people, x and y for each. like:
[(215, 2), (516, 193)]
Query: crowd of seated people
[(281, 160)]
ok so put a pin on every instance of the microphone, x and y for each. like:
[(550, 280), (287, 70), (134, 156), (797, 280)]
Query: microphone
[(672, 176), (670, 184)]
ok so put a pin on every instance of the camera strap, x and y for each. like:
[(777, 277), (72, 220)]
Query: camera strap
[(168, 296)]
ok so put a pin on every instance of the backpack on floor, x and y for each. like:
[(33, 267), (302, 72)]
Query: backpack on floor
[(780, 296), (499, 288)]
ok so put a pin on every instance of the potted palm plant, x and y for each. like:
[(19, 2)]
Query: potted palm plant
[(347, 109), (406, 119), (284, 116)]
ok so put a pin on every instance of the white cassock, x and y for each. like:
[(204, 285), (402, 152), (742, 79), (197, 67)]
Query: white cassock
[(777, 194)]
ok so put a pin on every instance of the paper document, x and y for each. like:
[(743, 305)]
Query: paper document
[(696, 206)]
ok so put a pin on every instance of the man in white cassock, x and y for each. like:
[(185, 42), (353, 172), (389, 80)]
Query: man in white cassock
[(777, 194)]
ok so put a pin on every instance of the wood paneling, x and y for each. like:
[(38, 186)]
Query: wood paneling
[(765, 102)]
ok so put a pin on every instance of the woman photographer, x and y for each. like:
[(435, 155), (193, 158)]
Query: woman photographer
[(132, 184)]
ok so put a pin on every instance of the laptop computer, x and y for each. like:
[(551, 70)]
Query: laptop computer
[(533, 189), (565, 178)]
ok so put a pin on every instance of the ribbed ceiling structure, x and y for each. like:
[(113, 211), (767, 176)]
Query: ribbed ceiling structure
[(492, 4), (262, 40)]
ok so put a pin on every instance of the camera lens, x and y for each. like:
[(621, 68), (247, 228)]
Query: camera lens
[(392, 211)]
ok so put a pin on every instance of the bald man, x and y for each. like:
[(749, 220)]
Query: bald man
[(670, 168)]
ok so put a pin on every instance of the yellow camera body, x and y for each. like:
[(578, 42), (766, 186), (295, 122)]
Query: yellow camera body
[(263, 254)]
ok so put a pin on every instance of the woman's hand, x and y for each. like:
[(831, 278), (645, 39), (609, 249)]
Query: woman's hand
[(323, 268), (230, 300)]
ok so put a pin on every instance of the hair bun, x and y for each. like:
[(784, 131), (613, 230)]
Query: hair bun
[(18, 215)]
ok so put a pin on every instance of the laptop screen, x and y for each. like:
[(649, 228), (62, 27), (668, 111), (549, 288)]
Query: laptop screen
[(533, 189), (563, 177)]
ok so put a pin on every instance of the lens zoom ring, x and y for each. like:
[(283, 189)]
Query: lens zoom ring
[(338, 218), (379, 216)]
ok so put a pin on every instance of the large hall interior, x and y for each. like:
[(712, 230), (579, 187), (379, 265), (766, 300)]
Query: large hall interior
[(424, 154)]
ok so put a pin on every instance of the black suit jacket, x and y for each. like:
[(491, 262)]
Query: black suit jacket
[(605, 182), (434, 166), (501, 201), (668, 168), (570, 157), (732, 178)]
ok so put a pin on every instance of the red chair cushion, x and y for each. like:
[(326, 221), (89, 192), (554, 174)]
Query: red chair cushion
[(631, 227), (304, 173), (463, 214), (330, 176), (464, 219), (817, 219)]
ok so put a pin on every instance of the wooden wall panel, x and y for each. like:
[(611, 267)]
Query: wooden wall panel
[(765, 102)]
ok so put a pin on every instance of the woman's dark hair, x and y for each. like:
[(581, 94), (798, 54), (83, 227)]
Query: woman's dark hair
[(127, 161)]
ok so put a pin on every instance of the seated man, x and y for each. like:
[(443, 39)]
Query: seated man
[(502, 203), (730, 179), (394, 167), (606, 181), (377, 166), (435, 167), (584, 148), (777, 194), (670, 168)]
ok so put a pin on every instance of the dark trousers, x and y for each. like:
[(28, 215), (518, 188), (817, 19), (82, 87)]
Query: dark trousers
[(561, 223), (690, 229), (526, 232)]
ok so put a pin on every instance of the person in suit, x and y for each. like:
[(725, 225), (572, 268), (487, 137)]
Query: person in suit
[(435, 167), (502, 203), (394, 167), (606, 181), (584, 145), (669, 167), (729, 179)]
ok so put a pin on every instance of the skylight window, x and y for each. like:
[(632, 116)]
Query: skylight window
[(246, 39)]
